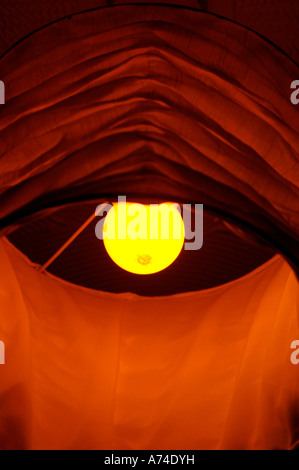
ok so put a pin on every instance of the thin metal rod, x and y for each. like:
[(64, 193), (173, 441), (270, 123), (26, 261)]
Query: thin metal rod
[(73, 237)]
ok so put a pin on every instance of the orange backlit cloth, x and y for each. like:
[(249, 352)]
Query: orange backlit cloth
[(92, 370), (146, 101)]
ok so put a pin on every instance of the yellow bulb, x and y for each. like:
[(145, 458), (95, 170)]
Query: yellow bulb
[(143, 239)]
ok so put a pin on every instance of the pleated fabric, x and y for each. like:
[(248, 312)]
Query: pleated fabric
[(147, 102)]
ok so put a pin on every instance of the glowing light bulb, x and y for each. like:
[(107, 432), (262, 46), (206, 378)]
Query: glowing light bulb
[(143, 239)]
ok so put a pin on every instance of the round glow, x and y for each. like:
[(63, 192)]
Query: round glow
[(143, 239)]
